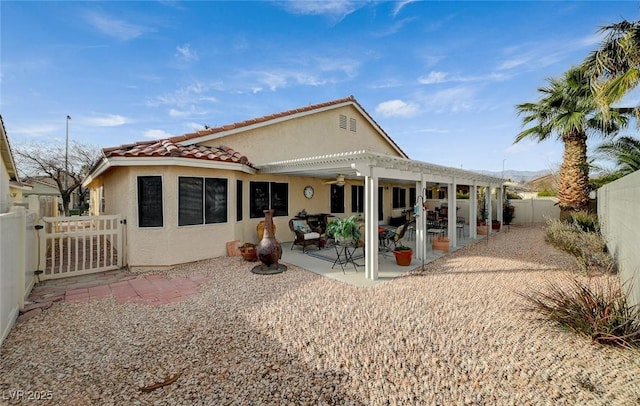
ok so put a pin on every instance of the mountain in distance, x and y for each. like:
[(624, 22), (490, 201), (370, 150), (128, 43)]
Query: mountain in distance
[(516, 176)]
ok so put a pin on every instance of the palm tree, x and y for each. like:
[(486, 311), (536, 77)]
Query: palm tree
[(614, 68), (625, 152), (567, 109)]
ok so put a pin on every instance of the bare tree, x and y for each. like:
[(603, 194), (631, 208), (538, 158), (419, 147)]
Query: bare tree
[(44, 160)]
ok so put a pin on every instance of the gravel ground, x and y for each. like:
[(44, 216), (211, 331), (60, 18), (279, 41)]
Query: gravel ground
[(452, 335)]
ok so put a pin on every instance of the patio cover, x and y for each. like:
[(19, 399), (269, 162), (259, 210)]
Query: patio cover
[(372, 168)]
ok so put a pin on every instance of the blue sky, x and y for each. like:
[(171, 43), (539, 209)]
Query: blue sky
[(442, 78)]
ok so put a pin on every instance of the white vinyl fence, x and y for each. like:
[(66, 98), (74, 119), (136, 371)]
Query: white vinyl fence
[(80, 245), (534, 211), (620, 223), (18, 257)]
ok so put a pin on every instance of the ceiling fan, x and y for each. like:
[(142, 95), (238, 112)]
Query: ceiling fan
[(338, 182)]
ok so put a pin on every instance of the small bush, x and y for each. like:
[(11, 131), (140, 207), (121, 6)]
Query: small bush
[(587, 247), (598, 309), (547, 193), (587, 221)]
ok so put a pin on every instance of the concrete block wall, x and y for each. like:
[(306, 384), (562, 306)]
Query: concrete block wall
[(619, 218)]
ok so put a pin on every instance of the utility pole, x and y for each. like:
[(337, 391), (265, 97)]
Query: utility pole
[(66, 156)]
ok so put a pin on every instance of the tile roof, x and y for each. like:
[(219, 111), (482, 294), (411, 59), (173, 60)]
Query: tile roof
[(264, 119), (258, 120), (167, 148)]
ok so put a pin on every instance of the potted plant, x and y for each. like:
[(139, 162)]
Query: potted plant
[(344, 230), (495, 225), (403, 255), (249, 252), (440, 243)]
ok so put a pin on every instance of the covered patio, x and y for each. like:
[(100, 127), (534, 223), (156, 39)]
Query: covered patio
[(355, 275), (372, 168)]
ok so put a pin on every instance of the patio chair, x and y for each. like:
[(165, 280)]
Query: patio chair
[(391, 239), (304, 234)]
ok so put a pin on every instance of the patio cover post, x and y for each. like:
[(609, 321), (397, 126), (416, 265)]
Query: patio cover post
[(473, 210), (452, 213), (487, 199), (421, 222), (371, 225), (499, 205)]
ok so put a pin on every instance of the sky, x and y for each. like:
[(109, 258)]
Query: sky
[(442, 78)]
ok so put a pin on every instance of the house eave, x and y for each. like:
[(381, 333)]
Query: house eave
[(108, 163)]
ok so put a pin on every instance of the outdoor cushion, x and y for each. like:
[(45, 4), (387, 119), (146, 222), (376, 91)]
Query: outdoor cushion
[(302, 226), (311, 236)]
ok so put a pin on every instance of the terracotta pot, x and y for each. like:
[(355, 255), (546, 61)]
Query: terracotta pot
[(403, 257), (249, 252), (440, 244), (482, 230), (269, 249)]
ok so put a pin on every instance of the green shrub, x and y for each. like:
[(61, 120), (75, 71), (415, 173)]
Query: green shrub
[(597, 308), (587, 221), (587, 247), (462, 195), (547, 193)]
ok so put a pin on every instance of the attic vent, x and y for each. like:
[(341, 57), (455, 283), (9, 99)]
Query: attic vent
[(343, 121), (352, 124)]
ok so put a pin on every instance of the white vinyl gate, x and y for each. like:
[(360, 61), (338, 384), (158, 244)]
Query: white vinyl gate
[(80, 245)]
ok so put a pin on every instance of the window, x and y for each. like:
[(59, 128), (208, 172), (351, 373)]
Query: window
[(412, 196), (429, 193), (399, 198), (150, 201), (352, 124), (201, 201), (239, 202), (357, 199), (380, 203), (266, 195), (337, 199)]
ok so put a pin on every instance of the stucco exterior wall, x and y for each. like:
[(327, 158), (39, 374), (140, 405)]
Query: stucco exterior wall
[(620, 222), (5, 196), (311, 135)]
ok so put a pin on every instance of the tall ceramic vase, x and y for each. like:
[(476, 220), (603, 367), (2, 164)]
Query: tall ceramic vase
[(269, 249)]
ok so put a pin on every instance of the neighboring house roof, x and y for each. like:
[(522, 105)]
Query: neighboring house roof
[(5, 151), (217, 132), (20, 185), (42, 185), (546, 182)]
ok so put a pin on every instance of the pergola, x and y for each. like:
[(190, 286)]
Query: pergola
[(376, 167)]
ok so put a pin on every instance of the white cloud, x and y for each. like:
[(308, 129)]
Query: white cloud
[(187, 96), (36, 130), (156, 134), (433, 77), (189, 111), (113, 27), (336, 9), (185, 54), (449, 100), (400, 5), (397, 108), (110, 120)]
